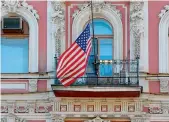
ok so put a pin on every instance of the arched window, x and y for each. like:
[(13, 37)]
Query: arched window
[(14, 45), (102, 48)]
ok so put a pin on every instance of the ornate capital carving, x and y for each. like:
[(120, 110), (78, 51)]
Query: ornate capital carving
[(56, 118), (32, 85), (136, 25), (97, 119), (58, 19), (164, 85), (13, 6)]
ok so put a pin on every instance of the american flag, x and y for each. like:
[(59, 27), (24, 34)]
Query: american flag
[(73, 62)]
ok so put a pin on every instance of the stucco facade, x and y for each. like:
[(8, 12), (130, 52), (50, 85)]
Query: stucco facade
[(139, 29)]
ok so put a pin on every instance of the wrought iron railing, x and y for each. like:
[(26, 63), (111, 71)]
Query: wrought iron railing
[(122, 73)]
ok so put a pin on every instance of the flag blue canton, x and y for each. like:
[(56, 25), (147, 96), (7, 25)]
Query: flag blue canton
[(83, 38)]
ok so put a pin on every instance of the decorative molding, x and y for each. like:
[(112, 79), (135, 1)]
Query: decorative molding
[(163, 41), (97, 119), (30, 15), (12, 118), (23, 109), (58, 19), (12, 6), (33, 85), (97, 7), (164, 85), (140, 119), (163, 11), (3, 119), (136, 26)]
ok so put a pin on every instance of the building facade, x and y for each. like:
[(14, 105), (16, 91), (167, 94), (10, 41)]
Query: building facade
[(128, 71)]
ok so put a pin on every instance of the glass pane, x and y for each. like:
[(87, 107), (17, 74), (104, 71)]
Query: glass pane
[(14, 55), (102, 27), (106, 49), (106, 53), (105, 69)]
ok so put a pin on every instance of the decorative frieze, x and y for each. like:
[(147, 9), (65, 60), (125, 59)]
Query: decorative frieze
[(164, 85), (155, 109), (21, 109), (13, 5), (136, 25)]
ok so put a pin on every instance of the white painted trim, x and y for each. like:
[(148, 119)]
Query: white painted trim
[(82, 18), (97, 89), (33, 35), (163, 44), (14, 85), (144, 57), (50, 41)]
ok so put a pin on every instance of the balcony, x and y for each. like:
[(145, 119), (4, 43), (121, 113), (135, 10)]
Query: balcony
[(116, 78)]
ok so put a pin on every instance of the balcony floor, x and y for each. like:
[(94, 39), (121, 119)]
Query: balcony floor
[(85, 91)]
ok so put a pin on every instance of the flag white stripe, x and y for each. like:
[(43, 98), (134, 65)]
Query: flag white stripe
[(74, 65), (70, 62), (68, 51), (70, 73), (70, 56)]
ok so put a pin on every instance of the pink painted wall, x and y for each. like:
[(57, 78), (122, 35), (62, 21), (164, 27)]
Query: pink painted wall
[(154, 9), (42, 85), (154, 87), (41, 7), (125, 21)]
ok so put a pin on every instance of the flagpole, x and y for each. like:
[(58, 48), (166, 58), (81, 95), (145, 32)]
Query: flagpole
[(95, 41)]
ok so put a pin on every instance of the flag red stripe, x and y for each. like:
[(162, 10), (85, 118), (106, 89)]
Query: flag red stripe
[(74, 65), (65, 54), (71, 62), (75, 75)]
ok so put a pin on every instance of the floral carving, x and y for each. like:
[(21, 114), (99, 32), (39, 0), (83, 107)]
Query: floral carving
[(23, 109), (164, 85), (13, 5), (97, 7), (58, 18), (41, 109), (163, 11), (155, 110), (137, 25), (32, 85), (4, 109)]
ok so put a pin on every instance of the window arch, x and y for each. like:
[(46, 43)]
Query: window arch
[(31, 16), (111, 16), (164, 43)]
